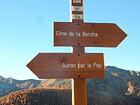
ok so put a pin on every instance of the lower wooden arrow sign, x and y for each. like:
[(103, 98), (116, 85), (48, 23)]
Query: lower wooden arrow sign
[(67, 65)]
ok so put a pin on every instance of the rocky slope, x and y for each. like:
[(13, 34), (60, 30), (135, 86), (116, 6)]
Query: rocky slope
[(8, 85), (116, 81), (38, 97), (119, 87)]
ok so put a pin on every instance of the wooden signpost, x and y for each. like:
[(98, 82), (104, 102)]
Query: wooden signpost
[(64, 65), (87, 34), (77, 65)]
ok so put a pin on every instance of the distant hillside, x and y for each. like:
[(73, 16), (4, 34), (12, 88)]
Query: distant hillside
[(38, 97), (8, 85), (119, 87), (116, 81)]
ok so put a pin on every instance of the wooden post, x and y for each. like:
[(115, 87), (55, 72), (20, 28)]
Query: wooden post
[(78, 84), (79, 92)]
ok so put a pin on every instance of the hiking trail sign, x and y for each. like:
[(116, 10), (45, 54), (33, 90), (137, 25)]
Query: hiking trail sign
[(77, 65), (87, 34), (64, 65)]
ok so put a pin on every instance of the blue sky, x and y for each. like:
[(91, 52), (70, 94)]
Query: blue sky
[(26, 30)]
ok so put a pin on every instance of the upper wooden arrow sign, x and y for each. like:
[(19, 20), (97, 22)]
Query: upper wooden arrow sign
[(87, 34), (63, 65)]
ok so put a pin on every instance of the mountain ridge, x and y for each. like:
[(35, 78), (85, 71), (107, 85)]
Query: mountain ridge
[(8, 85), (119, 87)]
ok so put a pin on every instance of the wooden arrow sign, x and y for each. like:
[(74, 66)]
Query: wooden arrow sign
[(63, 65), (87, 34)]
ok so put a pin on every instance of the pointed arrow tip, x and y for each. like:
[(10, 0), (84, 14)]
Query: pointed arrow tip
[(28, 65)]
